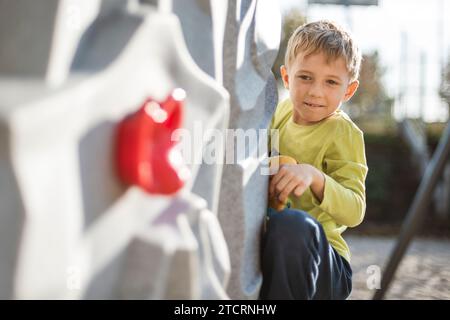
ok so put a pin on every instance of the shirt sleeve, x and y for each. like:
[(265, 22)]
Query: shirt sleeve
[(345, 171)]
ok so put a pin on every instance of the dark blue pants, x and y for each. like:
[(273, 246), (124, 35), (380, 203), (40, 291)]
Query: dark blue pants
[(298, 262)]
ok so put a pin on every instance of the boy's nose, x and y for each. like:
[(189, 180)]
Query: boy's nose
[(315, 90)]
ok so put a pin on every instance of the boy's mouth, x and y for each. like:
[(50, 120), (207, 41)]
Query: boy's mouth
[(312, 105)]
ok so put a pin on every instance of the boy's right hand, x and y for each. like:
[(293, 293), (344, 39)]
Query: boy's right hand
[(274, 164)]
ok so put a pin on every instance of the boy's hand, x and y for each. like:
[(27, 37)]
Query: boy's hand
[(296, 179)]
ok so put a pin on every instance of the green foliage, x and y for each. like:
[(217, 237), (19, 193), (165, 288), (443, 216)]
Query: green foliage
[(390, 183), (377, 182), (371, 97), (386, 140)]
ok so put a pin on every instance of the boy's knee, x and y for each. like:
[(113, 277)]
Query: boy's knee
[(293, 225)]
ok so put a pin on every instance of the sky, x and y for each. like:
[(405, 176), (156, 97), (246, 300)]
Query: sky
[(407, 34)]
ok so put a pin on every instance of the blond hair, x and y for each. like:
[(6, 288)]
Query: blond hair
[(326, 37)]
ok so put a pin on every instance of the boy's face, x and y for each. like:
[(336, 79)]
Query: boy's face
[(317, 88)]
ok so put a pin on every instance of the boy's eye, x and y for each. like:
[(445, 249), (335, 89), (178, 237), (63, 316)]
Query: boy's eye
[(304, 77), (332, 82)]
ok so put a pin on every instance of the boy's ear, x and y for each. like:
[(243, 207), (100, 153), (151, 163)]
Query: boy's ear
[(351, 89), (284, 76)]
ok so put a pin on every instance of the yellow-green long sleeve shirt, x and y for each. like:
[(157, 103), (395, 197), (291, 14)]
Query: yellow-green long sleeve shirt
[(334, 146)]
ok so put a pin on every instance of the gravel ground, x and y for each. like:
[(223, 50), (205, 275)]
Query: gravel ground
[(424, 272)]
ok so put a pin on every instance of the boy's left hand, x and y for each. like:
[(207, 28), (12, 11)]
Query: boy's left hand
[(296, 179)]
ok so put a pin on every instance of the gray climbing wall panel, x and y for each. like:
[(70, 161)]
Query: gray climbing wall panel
[(69, 228)]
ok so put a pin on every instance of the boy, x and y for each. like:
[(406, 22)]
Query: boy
[(304, 254)]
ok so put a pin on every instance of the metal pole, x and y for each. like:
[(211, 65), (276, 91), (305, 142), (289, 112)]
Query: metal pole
[(417, 210)]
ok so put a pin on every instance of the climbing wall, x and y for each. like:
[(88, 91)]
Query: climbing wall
[(250, 47), (98, 202)]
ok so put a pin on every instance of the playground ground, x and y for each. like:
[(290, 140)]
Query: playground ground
[(423, 274)]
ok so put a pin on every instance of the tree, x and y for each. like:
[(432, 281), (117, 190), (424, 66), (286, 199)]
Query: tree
[(444, 90), (371, 96)]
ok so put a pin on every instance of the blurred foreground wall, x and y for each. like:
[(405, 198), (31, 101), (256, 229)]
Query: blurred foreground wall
[(72, 71)]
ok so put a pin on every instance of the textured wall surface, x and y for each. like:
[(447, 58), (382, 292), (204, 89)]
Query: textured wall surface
[(70, 73), (250, 47)]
